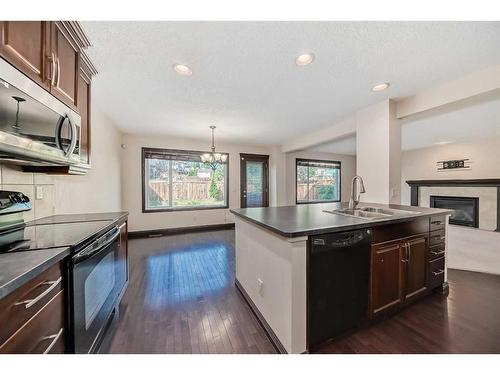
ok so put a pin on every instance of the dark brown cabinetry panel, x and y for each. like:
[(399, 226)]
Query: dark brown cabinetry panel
[(436, 272), (14, 313), (386, 278), (26, 45), (415, 267), (43, 333), (67, 57), (84, 87)]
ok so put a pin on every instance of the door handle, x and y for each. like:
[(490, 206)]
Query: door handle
[(405, 259), (58, 72), (408, 246), (52, 77)]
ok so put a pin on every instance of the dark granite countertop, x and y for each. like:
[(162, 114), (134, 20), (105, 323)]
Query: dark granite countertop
[(18, 268), (309, 219), (77, 218)]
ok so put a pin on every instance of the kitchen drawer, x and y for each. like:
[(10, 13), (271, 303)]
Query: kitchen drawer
[(436, 272), (437, 237), (43, 333), (437, 222), (22, 304), (436, 251), (391, 232)]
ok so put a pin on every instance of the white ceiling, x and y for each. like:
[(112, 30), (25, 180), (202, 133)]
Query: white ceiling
[(472, 120), (245, 80)]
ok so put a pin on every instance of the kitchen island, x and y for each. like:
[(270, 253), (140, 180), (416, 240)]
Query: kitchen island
[(310, 275)]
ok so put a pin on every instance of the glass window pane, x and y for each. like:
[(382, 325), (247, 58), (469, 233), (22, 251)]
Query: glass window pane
[(156, 184), (255, 183), (318, 181), (194, 184)]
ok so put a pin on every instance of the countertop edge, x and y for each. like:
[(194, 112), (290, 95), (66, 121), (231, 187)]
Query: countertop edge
[(23, 278), (343, 228)]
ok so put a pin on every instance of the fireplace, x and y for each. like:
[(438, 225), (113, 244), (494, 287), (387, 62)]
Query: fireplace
[(466, 209)]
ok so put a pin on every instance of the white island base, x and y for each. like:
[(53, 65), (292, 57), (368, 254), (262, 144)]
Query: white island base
[(271, 274)]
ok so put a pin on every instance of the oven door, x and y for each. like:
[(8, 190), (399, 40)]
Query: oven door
[(97, 278)]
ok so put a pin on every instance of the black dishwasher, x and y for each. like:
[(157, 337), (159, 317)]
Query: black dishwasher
[(338, 281)]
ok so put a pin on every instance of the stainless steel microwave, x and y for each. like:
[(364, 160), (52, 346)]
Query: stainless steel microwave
[(35, 127)]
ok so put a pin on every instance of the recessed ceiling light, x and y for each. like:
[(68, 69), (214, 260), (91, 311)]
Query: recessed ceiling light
[(381, 86), (183, 70), (304, 59)]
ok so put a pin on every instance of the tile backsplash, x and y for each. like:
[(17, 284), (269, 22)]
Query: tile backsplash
[(12, 178)]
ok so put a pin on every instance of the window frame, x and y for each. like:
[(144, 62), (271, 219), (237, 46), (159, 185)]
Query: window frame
[(145, 150), (297, 160)]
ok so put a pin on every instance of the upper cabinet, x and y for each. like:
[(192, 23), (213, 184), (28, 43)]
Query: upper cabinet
[(26, 45), (51, 53), (65, 54)]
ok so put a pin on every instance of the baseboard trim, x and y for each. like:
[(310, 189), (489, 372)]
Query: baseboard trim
[(181, 230), (262, 321)]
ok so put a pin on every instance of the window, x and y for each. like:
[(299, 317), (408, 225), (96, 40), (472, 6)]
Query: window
[(178, 180), (317, 181)]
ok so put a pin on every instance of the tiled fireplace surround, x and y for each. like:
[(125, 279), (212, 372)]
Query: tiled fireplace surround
[(487, 190)]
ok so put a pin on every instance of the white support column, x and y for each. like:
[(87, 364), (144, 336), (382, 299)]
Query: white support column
[(378, 145)]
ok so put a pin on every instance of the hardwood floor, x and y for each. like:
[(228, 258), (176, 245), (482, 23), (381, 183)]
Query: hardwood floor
[(182, 299), (468, 321)]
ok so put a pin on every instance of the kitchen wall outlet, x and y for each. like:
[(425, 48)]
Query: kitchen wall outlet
[(39, 192), (260, 286)]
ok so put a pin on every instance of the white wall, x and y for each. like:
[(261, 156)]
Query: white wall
[(421, 164), (132, 182), (97, 191), (347, 172)]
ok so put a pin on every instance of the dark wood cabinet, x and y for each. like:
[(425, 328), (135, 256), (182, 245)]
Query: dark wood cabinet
[(415, 267), (51, 53), (67, 60), (84, 107), (33, 316), (386, 277), (398, 273), (26, 45)]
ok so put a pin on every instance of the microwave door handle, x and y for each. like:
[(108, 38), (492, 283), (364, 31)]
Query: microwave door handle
[(74, 138), (82, 255), (59, 125)]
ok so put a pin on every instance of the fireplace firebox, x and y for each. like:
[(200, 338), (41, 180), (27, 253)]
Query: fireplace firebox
[(466, 209)]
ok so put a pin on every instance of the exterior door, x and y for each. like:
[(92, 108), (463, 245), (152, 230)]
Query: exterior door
[(416, 272), (254, 180)]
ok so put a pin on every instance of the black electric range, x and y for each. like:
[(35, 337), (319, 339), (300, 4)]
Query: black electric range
[(96, 268), (46, 236)]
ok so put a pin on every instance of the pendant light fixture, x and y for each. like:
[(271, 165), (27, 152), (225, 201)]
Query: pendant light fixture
[(212, 158)]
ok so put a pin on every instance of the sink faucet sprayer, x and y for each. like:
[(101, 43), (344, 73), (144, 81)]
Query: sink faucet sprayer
[(354, 200)]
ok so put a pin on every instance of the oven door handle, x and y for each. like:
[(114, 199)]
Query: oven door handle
[(89, 251)]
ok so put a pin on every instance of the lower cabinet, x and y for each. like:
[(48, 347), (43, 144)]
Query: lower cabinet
[(33, 316), (398, 273)]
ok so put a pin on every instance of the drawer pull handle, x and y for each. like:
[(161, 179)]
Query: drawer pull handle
[(54, 339), (30, 302), (438, 237), (437, 222), (437, 273), (437, 252)]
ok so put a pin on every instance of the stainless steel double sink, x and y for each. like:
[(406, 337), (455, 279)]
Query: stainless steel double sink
[(371, 213)]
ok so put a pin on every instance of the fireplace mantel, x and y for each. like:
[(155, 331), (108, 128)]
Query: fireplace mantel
[(484, 182)]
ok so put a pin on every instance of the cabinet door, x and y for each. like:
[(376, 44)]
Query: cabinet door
[(25, 44), (386, 278), (68, 66), (84, 85), (416, 267)]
